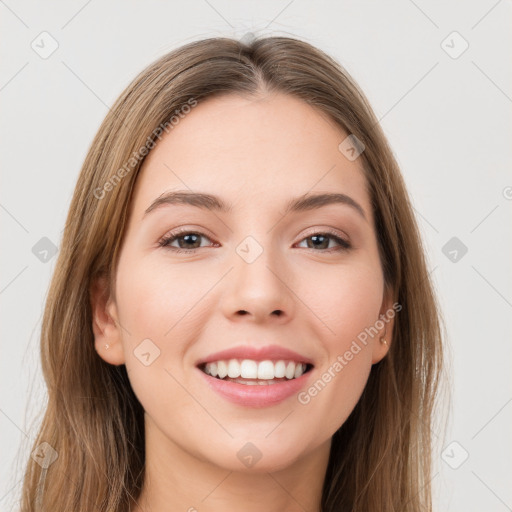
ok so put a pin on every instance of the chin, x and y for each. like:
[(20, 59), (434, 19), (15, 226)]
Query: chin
[(258, 456)]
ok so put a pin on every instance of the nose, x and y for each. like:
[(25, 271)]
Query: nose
[(260, 291)]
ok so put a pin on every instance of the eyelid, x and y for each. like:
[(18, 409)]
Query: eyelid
[(173, 234), (343, 241), (184, 230), (329, 230)]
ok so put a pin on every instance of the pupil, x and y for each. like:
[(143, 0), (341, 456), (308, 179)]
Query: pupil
[(322, 243), (186, 237)]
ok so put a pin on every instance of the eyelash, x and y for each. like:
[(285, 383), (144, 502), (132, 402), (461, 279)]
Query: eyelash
[(167, 240)]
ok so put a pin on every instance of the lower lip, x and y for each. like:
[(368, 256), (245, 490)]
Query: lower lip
[(258, 395)]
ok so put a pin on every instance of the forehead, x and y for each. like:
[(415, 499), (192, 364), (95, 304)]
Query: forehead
[(262, 151)]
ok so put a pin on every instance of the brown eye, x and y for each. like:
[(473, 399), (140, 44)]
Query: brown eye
[(320, 241), (187, 241)]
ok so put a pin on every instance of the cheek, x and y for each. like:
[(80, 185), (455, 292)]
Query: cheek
[(157, 299), (155, 306), (348, 301), (166, 305)]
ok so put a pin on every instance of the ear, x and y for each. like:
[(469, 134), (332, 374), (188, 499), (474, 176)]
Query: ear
[(384, 324), (105, 326)]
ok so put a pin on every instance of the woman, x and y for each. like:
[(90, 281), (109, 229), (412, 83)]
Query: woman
[(241, 315)]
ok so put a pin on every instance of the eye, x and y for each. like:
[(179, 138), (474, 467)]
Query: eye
[(188, 241), (321, 241)]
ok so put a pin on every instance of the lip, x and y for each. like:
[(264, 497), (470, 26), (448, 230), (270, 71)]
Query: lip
[(269, 352), (257, 395)]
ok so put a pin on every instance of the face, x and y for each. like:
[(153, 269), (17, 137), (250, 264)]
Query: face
[(195, 280)]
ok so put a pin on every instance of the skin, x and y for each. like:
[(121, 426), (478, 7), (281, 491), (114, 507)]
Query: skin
[(256, 153)]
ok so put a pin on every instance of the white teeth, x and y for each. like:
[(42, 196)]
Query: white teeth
[(256, 382), (266, 370), (290, 370), (279, 370), (249, 369), (233, 368), (213, 369), (298, 371), (222, 369)]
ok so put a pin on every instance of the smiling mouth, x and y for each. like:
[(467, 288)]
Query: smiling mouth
[(251, 372)]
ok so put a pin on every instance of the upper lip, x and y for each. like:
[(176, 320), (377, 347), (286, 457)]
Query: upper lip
[(268, 352)]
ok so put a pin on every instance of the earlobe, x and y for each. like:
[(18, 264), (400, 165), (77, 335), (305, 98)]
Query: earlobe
[(380, 348), (107, 335), (385, 325)]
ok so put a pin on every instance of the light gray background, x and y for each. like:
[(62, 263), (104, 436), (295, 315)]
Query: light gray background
[(447, 119)]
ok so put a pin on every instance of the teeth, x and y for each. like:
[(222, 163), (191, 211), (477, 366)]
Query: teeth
[(298, 371), (222, 369), (256, 382), (233, 368), (248, 369), (279, 369), (290, 371), (266, 370)]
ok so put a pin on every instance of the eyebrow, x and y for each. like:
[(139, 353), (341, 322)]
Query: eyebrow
[(211, 202)]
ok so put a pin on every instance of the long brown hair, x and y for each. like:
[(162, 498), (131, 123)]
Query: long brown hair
[(381, 456)]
